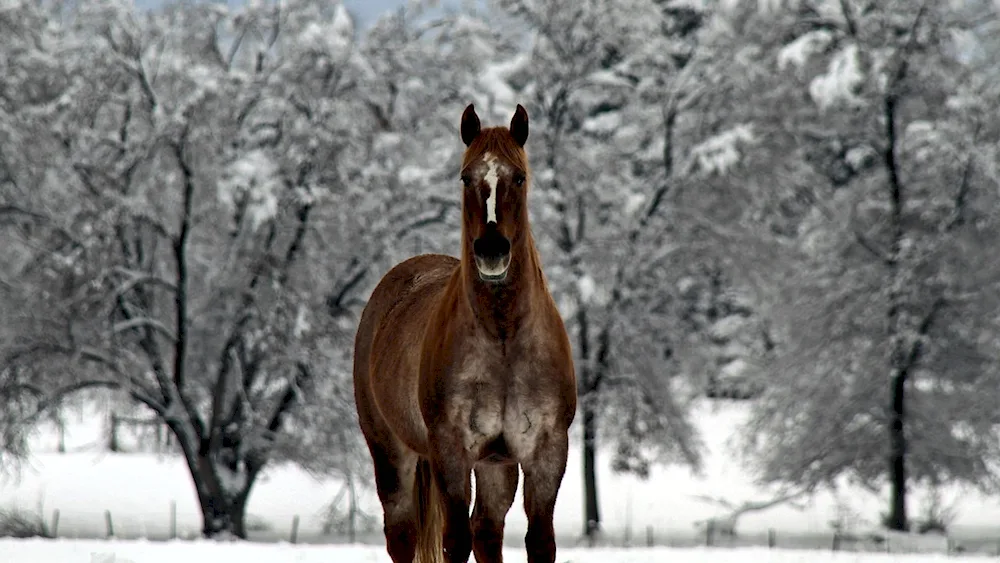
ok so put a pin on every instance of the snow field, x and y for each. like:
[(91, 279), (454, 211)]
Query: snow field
[(96, 551), (140, 489)]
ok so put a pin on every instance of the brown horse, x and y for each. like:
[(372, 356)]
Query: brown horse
[(464, 365)]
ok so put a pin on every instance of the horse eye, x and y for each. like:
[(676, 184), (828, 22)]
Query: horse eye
[(519, 180), (466, 181)]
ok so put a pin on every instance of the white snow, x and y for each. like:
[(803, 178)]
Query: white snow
[(699, 5), (412, 175), (735, 368), (798, 52), (334, 37), (138, 490), (80, 551), (634, 202), (232, 482), (256, 175), (728, 327), (841, 82), (494, 81), (720, 152), (587, 288), (607, 122), (860, 157), (302, 324)]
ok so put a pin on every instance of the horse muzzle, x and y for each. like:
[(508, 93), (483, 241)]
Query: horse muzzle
[(492, 254)]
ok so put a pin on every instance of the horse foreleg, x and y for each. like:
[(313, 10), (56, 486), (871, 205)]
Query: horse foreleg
[(454, 479), (495, 488), (543, 474)]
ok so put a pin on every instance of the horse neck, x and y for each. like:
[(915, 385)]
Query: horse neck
[(501, 307)]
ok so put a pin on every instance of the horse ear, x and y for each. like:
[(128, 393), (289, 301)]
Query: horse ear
[(519, 125), (470, 125)]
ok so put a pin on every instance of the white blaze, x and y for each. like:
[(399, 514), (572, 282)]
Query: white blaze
[(491, 179)]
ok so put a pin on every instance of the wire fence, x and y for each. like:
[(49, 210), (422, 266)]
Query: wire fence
[(877, 541), (313, 529)]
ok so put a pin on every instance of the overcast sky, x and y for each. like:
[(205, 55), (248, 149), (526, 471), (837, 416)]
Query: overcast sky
[(365, 11)]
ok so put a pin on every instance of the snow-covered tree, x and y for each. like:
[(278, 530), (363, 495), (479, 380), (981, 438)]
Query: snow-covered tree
[(169, 214), (878, 179)]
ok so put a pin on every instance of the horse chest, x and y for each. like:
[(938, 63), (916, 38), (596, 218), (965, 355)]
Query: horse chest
[(502, 407)]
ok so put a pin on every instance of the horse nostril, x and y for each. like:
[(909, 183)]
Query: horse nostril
[(492, 245)]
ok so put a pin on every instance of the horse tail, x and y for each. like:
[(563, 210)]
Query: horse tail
[(430, 515)]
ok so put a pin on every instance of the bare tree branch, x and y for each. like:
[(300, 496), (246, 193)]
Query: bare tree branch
[(958, 208), (136, 387), (144, 322), (845, 10), (135, 279)]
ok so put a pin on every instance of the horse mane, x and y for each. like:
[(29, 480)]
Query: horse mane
[(497, 141)]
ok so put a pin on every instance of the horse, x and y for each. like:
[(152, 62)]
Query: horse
[(463, 366)]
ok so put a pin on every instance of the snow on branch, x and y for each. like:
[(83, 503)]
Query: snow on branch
[(841, 82), (726, 523), (254, 178), (799, 51), (719, 153)]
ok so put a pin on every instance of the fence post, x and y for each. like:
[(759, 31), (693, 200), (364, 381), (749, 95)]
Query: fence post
[(836, 541), (295, 529), (113, 434), (772, 539), (111, 525), (55, 524), (352, 508), (709, 532), (649, 536), (173, 519)]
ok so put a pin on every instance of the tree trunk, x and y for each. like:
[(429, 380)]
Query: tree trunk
[(592, 515), (61, 424), (113, 445), (897, 442), (223, 503), (898, 362), (222, 492), (224, 517), (588, 393)]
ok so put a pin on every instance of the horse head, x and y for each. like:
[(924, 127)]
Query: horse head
[(495, 179)]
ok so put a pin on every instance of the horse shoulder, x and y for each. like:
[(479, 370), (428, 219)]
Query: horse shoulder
[(550, 352), (404, 301), (445, 327)]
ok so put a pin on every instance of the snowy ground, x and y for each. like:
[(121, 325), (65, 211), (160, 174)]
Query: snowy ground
[(90, 551), (139, 489)]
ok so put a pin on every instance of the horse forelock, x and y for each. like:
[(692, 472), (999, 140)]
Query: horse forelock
[(497, 141)]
